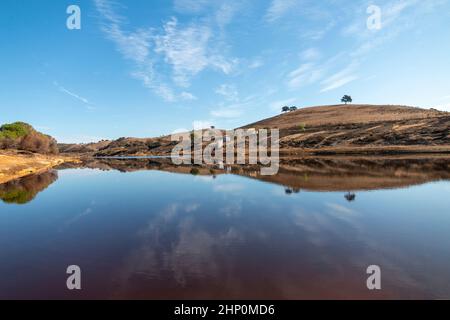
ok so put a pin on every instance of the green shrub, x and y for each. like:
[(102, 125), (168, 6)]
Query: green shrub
[(14, 130), (302, 126), (195, 171)]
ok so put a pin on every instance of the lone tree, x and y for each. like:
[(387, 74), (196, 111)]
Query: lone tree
[(347, 99), (350, 196), (293, 108), (285, 109)]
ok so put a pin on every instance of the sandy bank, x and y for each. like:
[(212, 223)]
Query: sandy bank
[(14, 165)]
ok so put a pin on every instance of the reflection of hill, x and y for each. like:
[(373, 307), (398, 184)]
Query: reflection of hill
[(138, 164), (362, 173), (25, 189), (317, 174)]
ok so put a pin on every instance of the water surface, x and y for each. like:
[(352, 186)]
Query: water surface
[(143, 229)]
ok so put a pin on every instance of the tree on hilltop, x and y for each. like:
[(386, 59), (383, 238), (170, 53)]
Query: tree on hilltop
[(347, 99)]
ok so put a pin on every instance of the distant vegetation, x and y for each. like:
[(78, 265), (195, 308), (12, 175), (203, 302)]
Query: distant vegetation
[(347, 99), (302, 126), (195, 171), (350, 196), (289, 109), (22, 136)]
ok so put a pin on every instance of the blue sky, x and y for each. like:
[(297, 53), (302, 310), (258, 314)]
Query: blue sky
[(146, 68)]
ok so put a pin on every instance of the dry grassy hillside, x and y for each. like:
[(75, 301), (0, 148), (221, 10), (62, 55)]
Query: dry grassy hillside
[(346, 114), (347, 129), (362, 129)]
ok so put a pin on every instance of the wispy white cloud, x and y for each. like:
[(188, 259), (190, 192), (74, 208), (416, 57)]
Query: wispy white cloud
[(229, 187), (339, 82), (339, 209), (76, 96), (78, 138), (225, 14), (243, 106), (278, 8), (191, 6), (228, 91), (161, 89), (340, 79), (180, 130), (314, 71), (188, 96), (396, 17), (85, 101), (443, 103), (256, 63), (223, 10), (308, 73), (188, 50), (185, 49), (310, 54), (202, 124), (134, 46), (317, 33), (229, 113), (238, 106)]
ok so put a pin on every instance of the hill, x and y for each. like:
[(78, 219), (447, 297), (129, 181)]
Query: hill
[(361, 129), (83, 148), (346, 114), (122, 147), (336, 129)]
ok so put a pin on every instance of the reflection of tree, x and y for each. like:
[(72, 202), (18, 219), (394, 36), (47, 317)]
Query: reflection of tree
[(312, 174), (291, 190), (195, 171), (24, 190), (350, 196)]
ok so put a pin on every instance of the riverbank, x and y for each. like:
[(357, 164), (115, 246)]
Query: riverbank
[(15, 164)]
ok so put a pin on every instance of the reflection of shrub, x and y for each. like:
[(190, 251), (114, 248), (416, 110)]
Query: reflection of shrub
[(25, 189), (195, 171), (17, 196)]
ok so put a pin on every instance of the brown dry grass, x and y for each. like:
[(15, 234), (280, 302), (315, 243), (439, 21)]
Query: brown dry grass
[(361, 129), (335, 129), (346, 114), (15, 165)]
